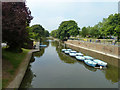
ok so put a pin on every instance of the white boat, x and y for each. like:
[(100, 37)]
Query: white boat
[(67, 52), (73, 53), (88, 57), (79, 54), (43, 45), (80, 58), (63, 50), (90, 63), (100, 63), (69, 49)]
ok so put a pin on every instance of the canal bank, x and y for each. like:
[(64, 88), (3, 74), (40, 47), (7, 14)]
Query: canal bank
[(106, 53), (15, 83)]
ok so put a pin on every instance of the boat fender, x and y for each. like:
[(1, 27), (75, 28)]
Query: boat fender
[(100, 67)]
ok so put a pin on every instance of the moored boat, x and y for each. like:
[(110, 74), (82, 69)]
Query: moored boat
[(79, 54), (73, 53), (88, 57), (43, 45), (100, 63), (80, 58), (64, 50), (67, 51), (90, 63)]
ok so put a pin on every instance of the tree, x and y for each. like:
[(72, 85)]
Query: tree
[(39, 31), (94, 31), (85, 31), (54, 33), (110, 25), (67, 29), (46, 33), (15, 18), (117, 32)]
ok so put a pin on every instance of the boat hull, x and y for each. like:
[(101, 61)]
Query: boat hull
[(63, 50), (100, 63), (79, 54), (90, 63), (67, 52), (72, 54), (80, 58), (43, 45), (88, 58)]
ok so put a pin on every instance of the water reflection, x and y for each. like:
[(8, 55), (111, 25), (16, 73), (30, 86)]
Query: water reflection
[(41, 49), (90, 68), (50, 72), (63, 57), (39, 53), (111, 72), (28, 77), (66, 59)]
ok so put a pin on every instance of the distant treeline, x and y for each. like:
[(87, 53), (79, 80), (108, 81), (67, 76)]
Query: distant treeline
[(108, 27)]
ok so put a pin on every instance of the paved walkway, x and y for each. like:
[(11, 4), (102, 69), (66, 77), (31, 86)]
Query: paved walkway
[(22, 69)]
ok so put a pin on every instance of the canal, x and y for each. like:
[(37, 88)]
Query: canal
[(51, 68)]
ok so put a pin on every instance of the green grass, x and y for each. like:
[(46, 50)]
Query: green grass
[(15, 59), (4, 82)]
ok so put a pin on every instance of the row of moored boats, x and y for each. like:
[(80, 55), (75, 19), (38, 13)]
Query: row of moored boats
[(87, 59)]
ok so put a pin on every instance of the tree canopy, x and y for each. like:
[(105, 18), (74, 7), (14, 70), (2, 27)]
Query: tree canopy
[(67, 29), (108, 27), (54, 33), (15, 18), (37, 32)]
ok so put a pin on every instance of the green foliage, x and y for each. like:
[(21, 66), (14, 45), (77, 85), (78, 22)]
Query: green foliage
[(46, 33), (15, 18), (117, 31), (85, 32), (54, 33), (108, 27), (94, 31), (67, 29), (80, 33), (37, 32), (4, 82)]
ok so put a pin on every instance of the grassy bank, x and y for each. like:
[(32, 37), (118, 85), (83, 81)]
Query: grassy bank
[(11, 63)]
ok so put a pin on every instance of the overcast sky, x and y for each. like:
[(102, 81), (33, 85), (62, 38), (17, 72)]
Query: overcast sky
[(50, 13)]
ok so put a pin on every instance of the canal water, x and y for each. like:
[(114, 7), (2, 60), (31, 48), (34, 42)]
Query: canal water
[(51, 68)]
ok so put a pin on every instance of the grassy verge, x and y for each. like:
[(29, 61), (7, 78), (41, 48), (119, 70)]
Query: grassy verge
[(15, 60)]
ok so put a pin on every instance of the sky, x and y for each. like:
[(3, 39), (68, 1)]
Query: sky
[(50, 13)]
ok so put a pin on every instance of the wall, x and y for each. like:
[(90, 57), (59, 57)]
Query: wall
[(106, 53), (105, 49)]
